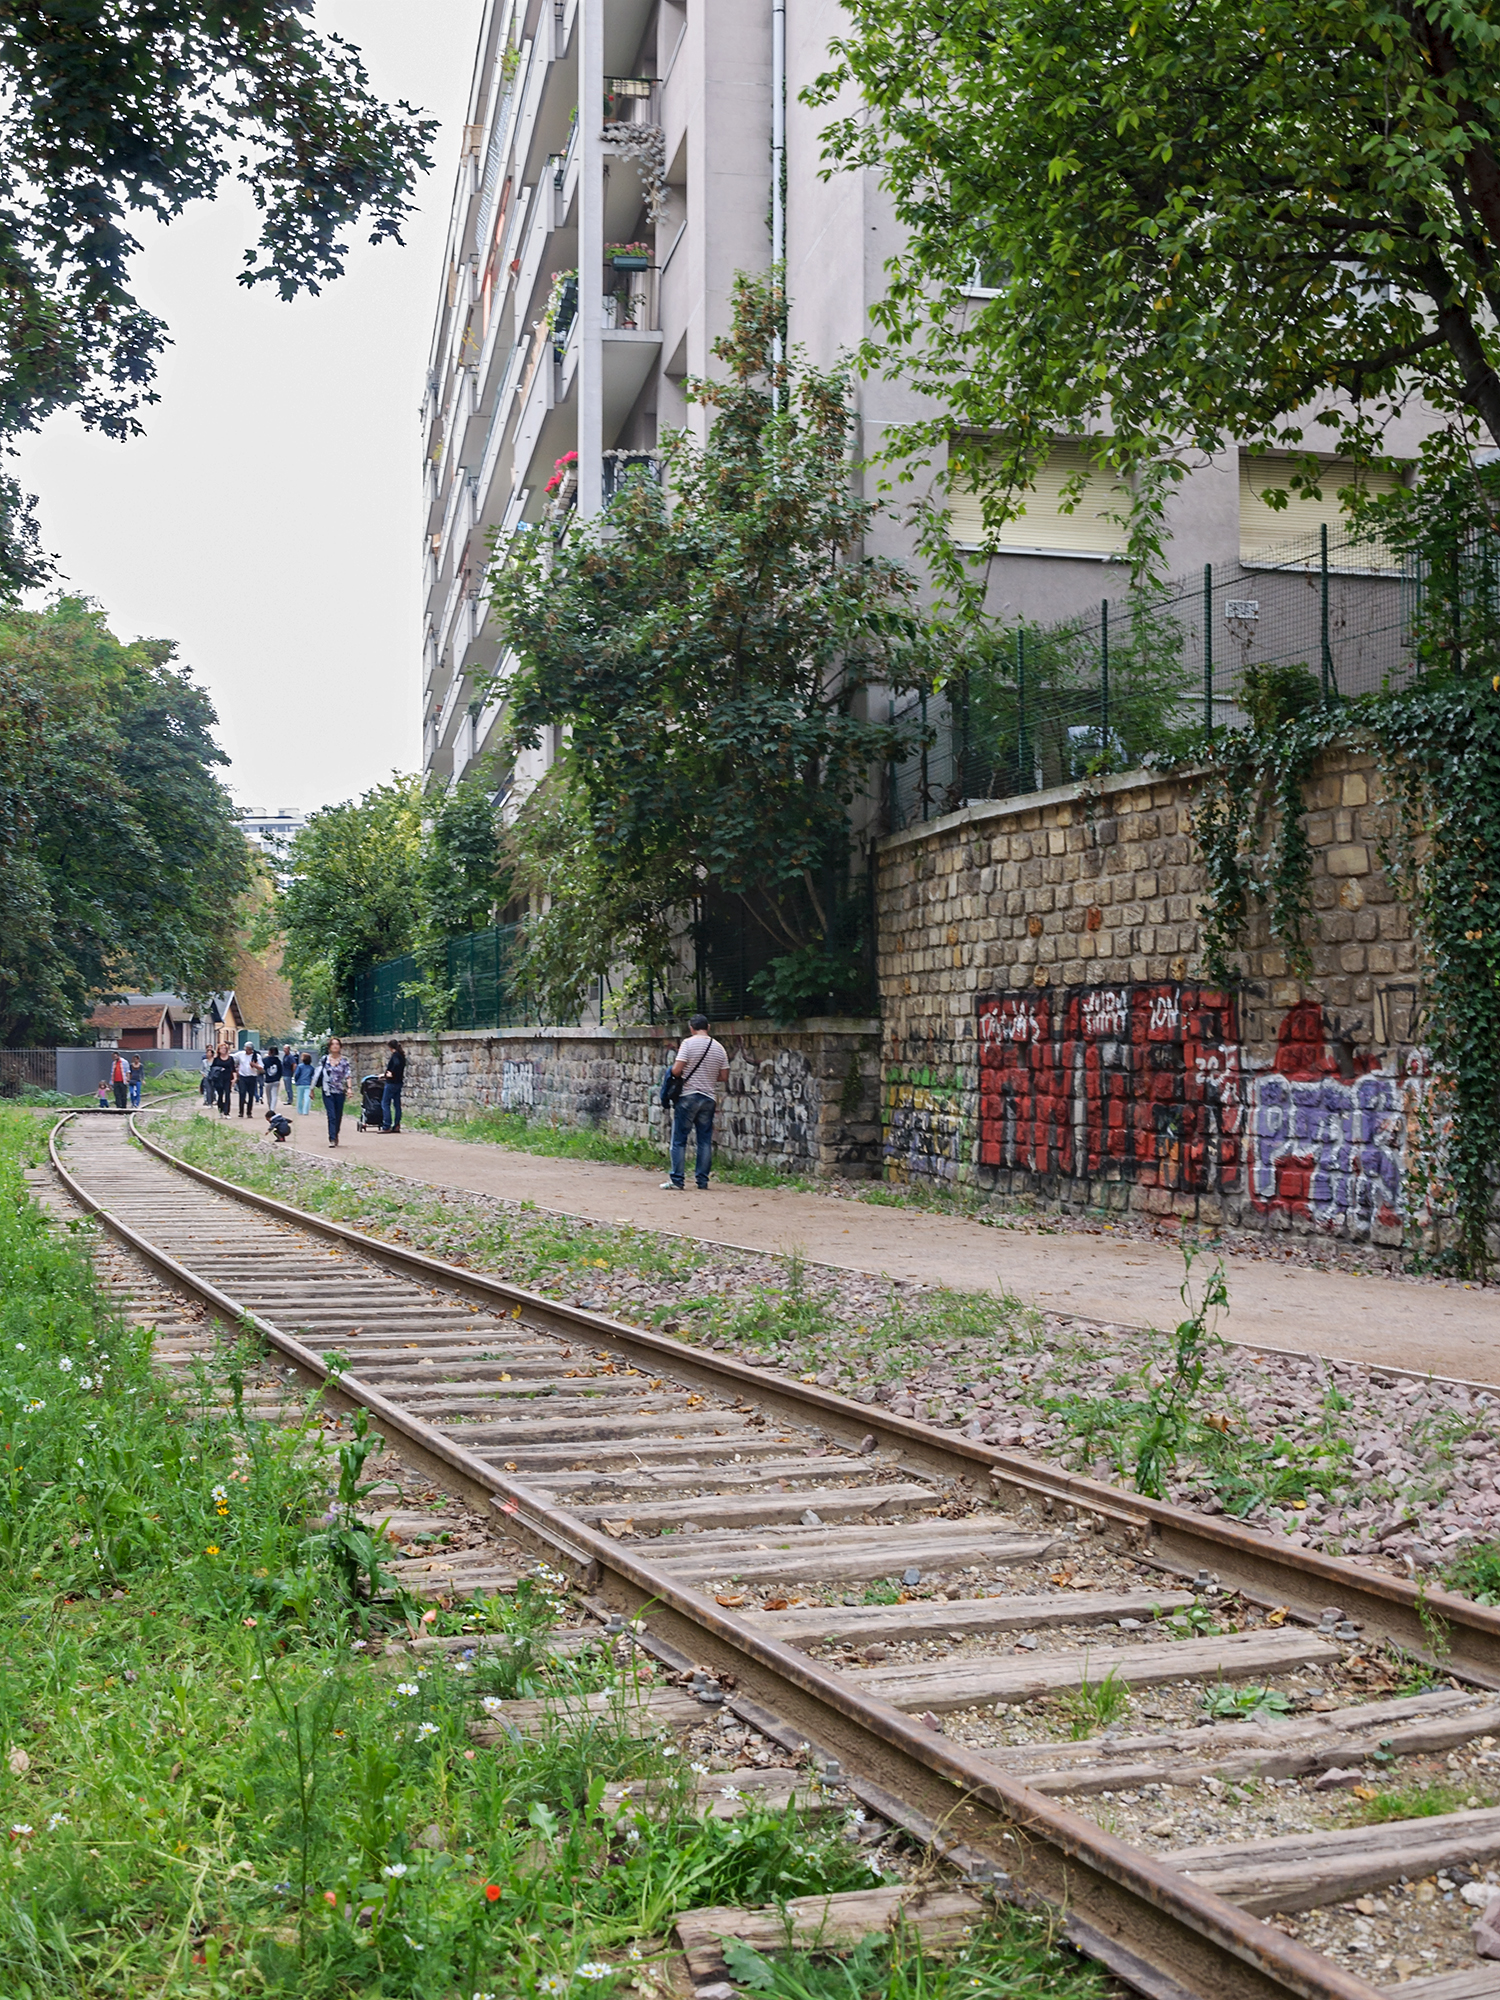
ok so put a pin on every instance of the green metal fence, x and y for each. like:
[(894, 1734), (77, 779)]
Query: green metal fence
[(478, 970), (1134, 678)]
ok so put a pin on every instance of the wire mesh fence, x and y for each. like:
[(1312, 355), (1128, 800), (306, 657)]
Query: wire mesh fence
[(479, 972), (1138, 677)]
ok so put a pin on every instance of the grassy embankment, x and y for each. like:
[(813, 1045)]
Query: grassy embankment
[(211, 1787)]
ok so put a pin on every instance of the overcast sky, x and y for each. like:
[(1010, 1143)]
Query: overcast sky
[(268, 521)]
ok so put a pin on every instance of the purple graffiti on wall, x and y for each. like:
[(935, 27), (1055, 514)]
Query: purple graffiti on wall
[(1323, 1144)]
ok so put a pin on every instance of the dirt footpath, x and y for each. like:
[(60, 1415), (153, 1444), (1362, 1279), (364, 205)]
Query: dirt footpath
[(1446, 1328)]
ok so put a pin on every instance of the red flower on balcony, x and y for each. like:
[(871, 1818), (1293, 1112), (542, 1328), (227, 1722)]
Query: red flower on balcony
[(561, 467)]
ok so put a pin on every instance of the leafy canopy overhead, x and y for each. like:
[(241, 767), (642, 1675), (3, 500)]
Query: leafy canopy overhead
[(140, 108), (706, 644), (1192, 222), (121, 859)]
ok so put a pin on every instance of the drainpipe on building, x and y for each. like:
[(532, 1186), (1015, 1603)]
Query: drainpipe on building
[(778, 160), (590, 258)]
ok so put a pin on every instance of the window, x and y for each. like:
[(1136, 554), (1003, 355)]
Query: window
[(1264, 528), (1044, 529)]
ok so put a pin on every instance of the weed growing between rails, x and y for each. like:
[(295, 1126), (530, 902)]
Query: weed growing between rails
[(1333, 1454)]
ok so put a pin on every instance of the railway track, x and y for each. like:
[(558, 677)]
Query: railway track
[(883, 1592)]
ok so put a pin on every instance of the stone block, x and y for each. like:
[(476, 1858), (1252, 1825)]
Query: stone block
[(1349, 858)]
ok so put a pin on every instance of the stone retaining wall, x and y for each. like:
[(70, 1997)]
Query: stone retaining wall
[(803, 1099), (1048, 1030)]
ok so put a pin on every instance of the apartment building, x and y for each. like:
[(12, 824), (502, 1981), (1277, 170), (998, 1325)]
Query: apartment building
[(620, 164)]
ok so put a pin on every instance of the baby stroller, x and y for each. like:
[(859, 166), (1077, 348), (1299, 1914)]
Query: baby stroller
[(371, 1091)]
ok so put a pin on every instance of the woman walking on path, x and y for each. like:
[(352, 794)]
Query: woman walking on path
[(302, 1076), (333, 1079), (390, 1096), (137, 1078), (221, 1073)]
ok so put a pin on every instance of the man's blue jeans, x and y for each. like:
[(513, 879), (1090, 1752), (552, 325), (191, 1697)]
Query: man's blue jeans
[(694, 1113)]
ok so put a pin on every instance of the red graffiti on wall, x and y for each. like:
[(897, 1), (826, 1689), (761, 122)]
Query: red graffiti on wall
[(1135, 1082)]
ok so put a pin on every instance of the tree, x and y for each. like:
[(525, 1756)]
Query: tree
[(142, 108), (121, 859), (1187, 222), (465, 876), (353, 897), (708, 644)]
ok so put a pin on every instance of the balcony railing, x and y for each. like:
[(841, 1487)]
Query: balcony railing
[(631, 100), (631, 301), (620, 465)]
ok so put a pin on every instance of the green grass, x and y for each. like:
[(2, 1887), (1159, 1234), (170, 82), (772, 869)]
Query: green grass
[(1094, 1704), (1476, 1573), (169, 1084), (1414, 1802), (1013, 1954), (521, 1133), (211, 1786)]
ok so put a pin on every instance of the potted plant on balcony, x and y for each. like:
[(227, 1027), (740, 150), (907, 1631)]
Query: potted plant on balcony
[(629, 256)]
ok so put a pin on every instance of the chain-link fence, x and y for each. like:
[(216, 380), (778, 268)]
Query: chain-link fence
[(1140, 675)]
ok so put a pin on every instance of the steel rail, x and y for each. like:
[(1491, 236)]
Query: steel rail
[(1449, 1631), (1147, 1922)]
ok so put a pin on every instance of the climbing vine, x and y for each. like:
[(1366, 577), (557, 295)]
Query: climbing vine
[(1437, 745)]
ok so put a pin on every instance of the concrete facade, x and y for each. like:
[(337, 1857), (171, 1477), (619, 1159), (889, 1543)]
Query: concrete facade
[(600, 122), (1049, 1031), (803, 1100)]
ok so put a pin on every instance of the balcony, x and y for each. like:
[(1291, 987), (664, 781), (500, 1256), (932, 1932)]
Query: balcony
[(631, 342), (619, 465), (631, 100), (631, 300)]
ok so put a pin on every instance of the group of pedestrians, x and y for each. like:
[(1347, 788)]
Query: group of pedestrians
[(127, 1072), (259, 1077)]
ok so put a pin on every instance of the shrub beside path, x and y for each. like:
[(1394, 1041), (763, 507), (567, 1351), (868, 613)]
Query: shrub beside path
[(1413, 1323)]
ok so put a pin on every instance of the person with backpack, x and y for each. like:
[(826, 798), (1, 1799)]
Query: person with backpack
[(272, 1069), (692, 1089), (302, 1076), (119, 1076)]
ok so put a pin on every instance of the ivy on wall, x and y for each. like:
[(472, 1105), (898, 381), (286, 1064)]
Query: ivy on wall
[(1437, 743)]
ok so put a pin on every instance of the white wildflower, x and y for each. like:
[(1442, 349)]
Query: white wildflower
[(492, 1704), (701, 1769), (463, 1666), (730, 1792), (407, 1688), (426, 1729), (58, 1819), (65, 1365), (394, 1869), (593, 1969)]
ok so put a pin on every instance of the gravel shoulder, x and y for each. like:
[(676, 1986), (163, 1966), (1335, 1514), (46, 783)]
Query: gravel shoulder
[(1287, 1292)]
